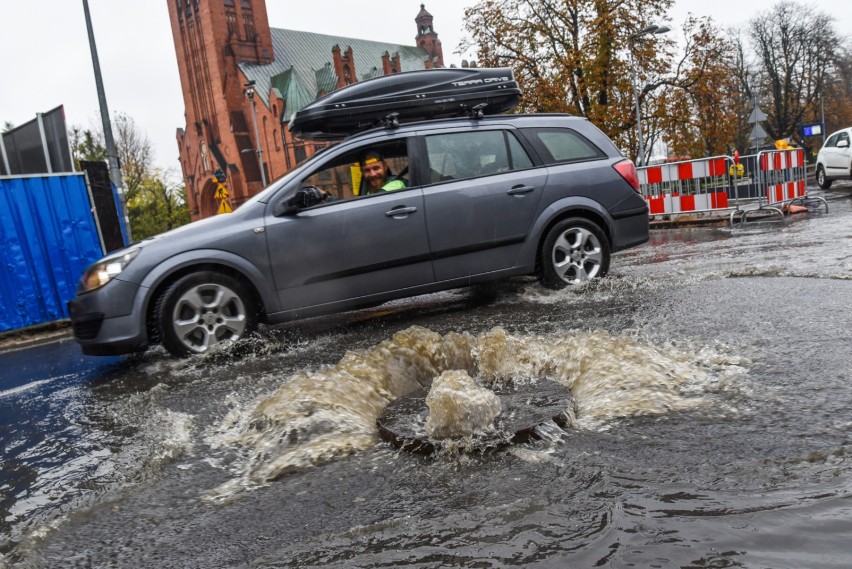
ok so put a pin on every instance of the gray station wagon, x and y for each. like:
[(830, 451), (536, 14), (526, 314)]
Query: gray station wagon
[(479, 199)]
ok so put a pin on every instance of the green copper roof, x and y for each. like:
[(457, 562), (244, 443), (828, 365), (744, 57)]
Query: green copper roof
[(303, 66)]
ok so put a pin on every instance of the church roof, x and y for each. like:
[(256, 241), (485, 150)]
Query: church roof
[(303, 66)]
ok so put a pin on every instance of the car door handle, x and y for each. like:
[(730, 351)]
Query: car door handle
[(400, 212), (519, 190)]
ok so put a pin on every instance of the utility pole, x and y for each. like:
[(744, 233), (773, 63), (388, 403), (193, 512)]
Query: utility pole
[(112, 154)]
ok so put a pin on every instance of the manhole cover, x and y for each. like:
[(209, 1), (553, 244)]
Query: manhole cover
[(524, 407)]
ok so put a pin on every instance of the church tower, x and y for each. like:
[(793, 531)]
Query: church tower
[(427, 38), (239, 93), (211, 39)]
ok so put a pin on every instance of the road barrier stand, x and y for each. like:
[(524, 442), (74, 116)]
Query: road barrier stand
[(781, 181), (689, 186), (774, 179)]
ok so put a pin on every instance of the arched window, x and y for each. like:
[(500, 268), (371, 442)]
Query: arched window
[(347, 75), (248, 20), (231, 17)]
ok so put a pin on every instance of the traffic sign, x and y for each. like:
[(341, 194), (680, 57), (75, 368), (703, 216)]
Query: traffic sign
[(221, 192)]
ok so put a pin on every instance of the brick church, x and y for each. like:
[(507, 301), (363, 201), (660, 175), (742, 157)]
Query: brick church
[(222, 47)]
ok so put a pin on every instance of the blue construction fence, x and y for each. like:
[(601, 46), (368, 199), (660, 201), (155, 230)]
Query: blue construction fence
[(48, 236)]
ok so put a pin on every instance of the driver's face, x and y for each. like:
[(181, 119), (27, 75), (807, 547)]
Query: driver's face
[(375, 174)]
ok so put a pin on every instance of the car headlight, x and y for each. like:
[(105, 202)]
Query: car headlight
[(105, 270)]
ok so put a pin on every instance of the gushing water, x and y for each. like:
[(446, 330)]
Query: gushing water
[(318, 415), (458, 407)]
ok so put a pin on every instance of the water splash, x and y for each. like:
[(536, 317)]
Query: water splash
[(318, 415)]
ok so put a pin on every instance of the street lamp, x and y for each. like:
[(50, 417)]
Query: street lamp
[(653, 29), (250, 94)]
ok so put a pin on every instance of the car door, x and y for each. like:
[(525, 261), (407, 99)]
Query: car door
[(348, 249), (840, 155), (481, 198)]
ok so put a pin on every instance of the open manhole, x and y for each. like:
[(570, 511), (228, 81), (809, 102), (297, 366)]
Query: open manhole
[(525, 406)]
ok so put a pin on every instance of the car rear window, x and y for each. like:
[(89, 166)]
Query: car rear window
[(556, 145), (460, 155)]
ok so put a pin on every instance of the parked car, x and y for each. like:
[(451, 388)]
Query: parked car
[(834, 160), (485, 199)]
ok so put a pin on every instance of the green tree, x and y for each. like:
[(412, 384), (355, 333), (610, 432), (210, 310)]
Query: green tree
[(87, 145), (154, 203), (157, 206)]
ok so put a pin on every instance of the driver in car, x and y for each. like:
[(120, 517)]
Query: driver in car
[(377, 176)]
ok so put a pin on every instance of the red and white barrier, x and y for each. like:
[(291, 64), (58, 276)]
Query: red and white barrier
[(782, 175), (689, 186)]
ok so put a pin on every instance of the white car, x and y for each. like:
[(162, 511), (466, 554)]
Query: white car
[(834, 160)]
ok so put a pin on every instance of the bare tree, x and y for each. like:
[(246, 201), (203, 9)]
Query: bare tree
[(796, 48), (135, 154)]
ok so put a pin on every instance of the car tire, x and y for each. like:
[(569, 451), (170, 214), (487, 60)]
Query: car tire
[(821, 179), (202, 310), (575, 250)]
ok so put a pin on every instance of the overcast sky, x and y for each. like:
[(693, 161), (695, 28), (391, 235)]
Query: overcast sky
[(46, 61)]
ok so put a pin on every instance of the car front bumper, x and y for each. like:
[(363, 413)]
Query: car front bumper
[(105, 322)]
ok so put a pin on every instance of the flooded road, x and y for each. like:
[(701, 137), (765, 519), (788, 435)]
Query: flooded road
[(709, 426)]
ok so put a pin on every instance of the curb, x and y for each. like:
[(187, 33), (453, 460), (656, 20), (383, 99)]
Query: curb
[(35, 335)]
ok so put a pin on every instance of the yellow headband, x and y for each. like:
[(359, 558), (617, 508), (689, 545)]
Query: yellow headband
[(369, 161)]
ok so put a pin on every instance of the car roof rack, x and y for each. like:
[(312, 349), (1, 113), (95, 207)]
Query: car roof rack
[(394, 99)]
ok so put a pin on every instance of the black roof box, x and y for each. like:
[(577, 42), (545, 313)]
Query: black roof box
[(409, 96)]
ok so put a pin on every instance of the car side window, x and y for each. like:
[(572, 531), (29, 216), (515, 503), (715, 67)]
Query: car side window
[(832, 141), (562, 145), (342, 176), (471, 154)]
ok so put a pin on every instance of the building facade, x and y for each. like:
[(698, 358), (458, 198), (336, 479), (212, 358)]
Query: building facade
[(242, 80)]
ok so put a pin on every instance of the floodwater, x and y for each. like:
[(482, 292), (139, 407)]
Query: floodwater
[(710, 426)]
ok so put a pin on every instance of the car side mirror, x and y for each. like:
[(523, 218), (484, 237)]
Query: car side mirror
[(284, 208), (305, 197), (843, 143)]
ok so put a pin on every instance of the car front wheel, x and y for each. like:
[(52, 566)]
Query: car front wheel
[(202, 310), (574, 251), (821, 179)]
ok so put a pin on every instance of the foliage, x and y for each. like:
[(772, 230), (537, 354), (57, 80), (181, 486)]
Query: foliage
[(154, 204), (578, 56), (87, 145), (568, 56), (702, 110)]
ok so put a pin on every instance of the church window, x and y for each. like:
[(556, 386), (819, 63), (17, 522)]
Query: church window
[(231, 17), (248, 20)]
